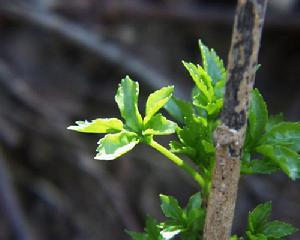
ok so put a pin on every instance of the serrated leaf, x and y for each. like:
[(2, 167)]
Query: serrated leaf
[(285, 133), (258, 116), (213, 65), (179, 109), (214, 107), (113, 146), (194, 202), (219, 89), (260, 166), (159, 125), (157, 100), (259, 217), (178, 147), (127, 100), (274, 120), (100, 125), (152, 229), (201, 79), (194, 213), (286, 159), (278, 229), (171, 208), (207, 146)]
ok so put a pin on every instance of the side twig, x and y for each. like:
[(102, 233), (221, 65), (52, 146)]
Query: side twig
[(229, 136)]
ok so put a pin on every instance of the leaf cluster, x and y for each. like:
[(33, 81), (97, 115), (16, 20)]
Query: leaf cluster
[(272, 144), (199, 117), (121, 136), (186, 223), (260, 228)]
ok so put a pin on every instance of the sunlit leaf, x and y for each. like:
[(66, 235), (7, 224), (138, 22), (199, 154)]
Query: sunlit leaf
[(115, 145), (127, 100), (100, 125), (157, 100), (159, 125)]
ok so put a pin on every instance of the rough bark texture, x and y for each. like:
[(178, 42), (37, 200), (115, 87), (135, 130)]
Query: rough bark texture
[(229, 136)]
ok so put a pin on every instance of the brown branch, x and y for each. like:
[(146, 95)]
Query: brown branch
[(229, 136)]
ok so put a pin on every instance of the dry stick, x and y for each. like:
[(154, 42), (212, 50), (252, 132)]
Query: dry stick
[(229, 136)]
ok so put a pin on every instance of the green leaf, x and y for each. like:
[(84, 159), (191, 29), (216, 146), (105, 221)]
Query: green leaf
[(137, 235), (258, 116), (259, 217), (170, 232), (100, 125), (127, 100), (171, 208), (278, 229), (285, 133), (214, 107), (157, 100), (256, 236), (274, 120), (179, 109), (178, 147), (261, 166), (194, 213), (113, 146), (201, 79), (286, 159), (194, 203), (159, 125), (213, 65), (152, 229), (235, 237), (219, 89)]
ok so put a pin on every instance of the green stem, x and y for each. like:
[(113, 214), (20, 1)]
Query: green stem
[(179, 162)]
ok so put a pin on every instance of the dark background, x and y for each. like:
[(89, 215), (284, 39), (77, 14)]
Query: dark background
[(61, 61)]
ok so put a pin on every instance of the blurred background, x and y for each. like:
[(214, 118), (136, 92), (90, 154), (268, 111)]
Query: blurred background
[(61, 61)]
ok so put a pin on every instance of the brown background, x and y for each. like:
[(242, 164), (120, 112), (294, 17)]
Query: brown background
[(61, 61)]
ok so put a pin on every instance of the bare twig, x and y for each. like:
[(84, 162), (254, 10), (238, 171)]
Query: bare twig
[(242, 61), (10, 204), (93, 42)]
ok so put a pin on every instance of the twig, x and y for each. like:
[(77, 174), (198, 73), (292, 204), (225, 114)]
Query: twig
[(229, 136), (10, 204), (93, 42)]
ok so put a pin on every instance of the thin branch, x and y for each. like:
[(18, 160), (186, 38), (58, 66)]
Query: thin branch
[(229, 136), (93, 42)]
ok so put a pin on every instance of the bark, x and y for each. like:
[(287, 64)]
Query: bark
[(229, 136)]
